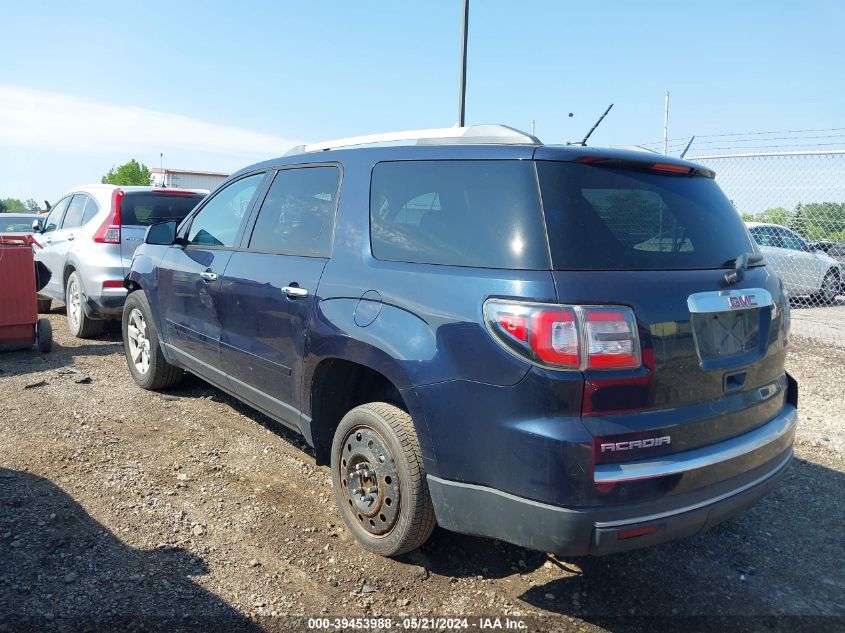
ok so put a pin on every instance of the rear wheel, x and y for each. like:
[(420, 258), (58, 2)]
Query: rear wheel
[(146, 361), (829, 289), (379, 481), (79, 323)]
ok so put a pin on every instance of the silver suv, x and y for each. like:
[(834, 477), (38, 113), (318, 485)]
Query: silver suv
[(88, 240)]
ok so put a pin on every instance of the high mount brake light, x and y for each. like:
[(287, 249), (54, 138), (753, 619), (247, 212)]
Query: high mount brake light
[(564, 336), (109, 231)]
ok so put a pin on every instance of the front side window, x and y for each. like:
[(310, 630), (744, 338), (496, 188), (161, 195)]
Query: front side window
[(217, 223), (75, 210), (479, 213), (297, 216), (54, 218)]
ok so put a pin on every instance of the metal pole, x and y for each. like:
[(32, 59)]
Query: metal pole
[(533, 127), (463, 90), (666, 125)]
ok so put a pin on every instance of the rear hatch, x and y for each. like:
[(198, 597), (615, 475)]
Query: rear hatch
[(140, 209), (662, 239)]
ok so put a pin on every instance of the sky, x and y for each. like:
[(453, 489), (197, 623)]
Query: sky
[(218, 85)]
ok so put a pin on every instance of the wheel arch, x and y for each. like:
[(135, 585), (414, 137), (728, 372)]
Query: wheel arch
[(338, 383)]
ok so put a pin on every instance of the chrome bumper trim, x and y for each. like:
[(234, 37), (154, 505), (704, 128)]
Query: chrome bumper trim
[(701, 504), (700, 457)]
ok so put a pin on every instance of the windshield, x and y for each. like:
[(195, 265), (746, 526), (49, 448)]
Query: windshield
[(16, 224), (144, 209), (604, 218)]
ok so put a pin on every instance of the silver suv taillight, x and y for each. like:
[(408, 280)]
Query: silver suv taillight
[(572, 337)]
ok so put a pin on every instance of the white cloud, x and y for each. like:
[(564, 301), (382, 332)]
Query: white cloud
[(58, 122)]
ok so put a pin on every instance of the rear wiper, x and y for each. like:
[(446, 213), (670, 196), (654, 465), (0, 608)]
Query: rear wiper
[(740, 264)]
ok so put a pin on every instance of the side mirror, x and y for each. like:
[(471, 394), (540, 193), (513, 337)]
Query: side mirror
[(162, 233), (37, 227), (812, 247)]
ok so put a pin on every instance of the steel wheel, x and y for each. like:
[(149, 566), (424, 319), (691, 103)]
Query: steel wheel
[(138, 341), (74, 303), (370, 480)]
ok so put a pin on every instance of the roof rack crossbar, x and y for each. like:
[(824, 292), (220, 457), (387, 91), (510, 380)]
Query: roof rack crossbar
[(473, 134)]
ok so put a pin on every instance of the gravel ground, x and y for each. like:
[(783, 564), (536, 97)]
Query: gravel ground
[(123, 509)]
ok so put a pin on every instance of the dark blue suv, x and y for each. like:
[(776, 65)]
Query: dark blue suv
[(577, 350)]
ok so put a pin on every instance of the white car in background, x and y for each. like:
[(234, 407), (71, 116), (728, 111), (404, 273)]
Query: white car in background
[(803, 267)]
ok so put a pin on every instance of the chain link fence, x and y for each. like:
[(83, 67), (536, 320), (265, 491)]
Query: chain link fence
[(794, 206)]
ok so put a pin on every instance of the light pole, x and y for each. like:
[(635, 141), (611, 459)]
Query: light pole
[(463, 89)]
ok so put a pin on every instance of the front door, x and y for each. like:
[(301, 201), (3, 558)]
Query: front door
[(191, 273), (47, 254), (271, 288)]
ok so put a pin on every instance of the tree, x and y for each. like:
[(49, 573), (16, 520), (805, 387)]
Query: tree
[(31, 205), (12, 205), (131, 173), (797, 222)]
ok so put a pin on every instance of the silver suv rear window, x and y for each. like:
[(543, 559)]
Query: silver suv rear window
[(146, 208)]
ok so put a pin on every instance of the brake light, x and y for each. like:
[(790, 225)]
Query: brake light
[(566, 337), (109, 232), (670, 168), (113, 283)]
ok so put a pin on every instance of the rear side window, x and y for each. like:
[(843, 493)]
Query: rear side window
[(73, 217), (478, 213), (297, 215), (765, 236), (146, 208), (91, 209), (603, 218)]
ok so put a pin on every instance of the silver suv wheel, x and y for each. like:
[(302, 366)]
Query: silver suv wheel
[(139, 343), (74, 304)]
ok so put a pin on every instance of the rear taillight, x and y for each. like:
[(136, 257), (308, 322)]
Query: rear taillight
[(786, 318), (109, 232), (566, 337)]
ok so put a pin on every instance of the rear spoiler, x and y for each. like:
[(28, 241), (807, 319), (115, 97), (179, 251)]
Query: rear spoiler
[(665, 168)]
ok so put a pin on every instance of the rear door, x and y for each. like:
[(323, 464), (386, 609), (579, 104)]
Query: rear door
[(713, 351), (189, 277), (271, 287), (140, 209)]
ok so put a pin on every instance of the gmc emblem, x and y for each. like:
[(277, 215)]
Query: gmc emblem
[(651, 442), (743, 301)]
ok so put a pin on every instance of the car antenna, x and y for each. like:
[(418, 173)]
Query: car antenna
[(583, 141), (48, 205)]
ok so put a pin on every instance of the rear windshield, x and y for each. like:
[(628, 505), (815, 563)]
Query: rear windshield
[(601, 218), (484, 214), (146, 208), (16, 225)]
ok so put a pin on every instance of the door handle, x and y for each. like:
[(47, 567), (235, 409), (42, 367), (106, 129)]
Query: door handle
[(295, 292), (70, 237), (209, 276)]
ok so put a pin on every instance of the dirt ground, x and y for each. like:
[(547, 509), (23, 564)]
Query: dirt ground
[(128, 510)]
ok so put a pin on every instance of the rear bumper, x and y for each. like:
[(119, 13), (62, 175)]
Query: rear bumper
[(108, 305), (484, 511)]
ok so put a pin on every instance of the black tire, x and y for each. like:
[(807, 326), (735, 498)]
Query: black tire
[(44, 336), (79, 323), (159, 374), (44, 305), (375, 442), (830, 288)]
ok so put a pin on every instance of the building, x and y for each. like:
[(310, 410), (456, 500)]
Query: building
[(184, 179)]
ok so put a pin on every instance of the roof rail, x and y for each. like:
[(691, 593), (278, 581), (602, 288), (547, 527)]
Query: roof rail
[(473, 134)]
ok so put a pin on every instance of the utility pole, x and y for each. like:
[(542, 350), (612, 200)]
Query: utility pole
[(533, 127), (666, 126), (463, 90)]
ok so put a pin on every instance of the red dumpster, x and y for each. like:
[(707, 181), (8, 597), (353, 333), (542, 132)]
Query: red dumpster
[(20, 326)]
